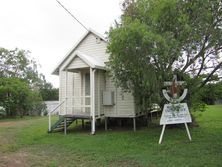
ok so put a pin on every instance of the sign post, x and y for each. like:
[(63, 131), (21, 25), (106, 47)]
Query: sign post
[(174, 112)]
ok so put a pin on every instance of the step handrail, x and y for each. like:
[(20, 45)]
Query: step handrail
[(49, 114)]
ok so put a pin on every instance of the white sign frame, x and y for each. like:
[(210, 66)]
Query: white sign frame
[(175, 114)]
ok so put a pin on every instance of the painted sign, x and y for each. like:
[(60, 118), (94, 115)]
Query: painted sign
[(175, 114)]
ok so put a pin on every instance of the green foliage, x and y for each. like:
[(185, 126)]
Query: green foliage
[(158, 38), (211, 92), (131, 70), (18, 99), (49, 93), (22, 87), (14, 95), (18, 63)]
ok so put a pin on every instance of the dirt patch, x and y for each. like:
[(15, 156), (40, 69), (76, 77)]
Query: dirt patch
[(12, 123), (8, 132), (14, 160)]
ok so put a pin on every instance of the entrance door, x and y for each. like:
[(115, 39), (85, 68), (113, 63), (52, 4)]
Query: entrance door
[(87, 92)]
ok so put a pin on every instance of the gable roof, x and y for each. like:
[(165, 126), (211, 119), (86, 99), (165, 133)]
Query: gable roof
[(56, 70), (91, 61)]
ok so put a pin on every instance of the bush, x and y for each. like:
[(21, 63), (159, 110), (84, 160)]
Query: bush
[(18, 99)]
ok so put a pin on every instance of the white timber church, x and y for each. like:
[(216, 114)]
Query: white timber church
[(86, 91)]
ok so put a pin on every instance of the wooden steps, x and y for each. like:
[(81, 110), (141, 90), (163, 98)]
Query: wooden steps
[(59, 125)]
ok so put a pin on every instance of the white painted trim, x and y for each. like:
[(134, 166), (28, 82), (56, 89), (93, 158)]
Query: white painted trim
[(98, 87), (93, 96), (73, 88), (98, 34), (60, 93), (163, 129), (91, 61), (83, 96), (82, 88), (188, 132), (66, 91), (92, 91), (165, 94), (83, 85), (181, 98), (162, 132)]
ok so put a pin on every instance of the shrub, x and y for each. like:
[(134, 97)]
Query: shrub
[(17, 98)]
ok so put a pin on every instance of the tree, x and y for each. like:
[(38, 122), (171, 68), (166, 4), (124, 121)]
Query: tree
[(18, 63), (20, 83), (14, 95), (158, 38), (211, 93), (18, 99), (49, 93)]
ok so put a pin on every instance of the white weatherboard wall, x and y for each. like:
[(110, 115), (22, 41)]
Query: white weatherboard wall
[(99, 88), (70, 89), (77, 63), (62, 90), (124, 102), (71, 86), (94, 47)]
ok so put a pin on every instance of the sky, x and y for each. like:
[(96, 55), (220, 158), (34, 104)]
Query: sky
[(45, 29)]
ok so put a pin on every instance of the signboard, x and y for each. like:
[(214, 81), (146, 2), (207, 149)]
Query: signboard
[(175, 114)]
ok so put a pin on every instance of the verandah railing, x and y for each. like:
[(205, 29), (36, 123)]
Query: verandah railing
[(78, 105), (51, 112)]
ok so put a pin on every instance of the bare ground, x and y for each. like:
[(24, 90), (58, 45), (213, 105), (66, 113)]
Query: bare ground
[(9, 158), (16, 159)]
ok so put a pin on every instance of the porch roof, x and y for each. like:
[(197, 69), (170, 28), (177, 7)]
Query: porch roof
[(91, 61)]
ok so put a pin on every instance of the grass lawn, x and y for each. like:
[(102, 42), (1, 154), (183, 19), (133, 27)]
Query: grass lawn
[(24, 142)]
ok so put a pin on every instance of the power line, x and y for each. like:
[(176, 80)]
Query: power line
[(71, 15)]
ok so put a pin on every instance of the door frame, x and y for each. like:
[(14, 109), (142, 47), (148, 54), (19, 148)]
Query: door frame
[(83, 91)]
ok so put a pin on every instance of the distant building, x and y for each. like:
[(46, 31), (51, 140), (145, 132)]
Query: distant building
[(51, 105), (218, 101)]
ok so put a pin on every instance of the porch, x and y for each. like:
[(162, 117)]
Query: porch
[(80, 90)]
